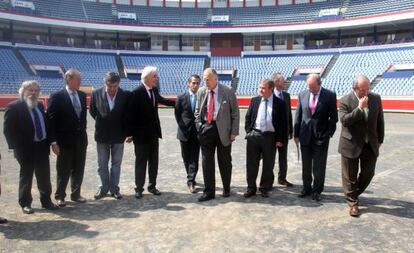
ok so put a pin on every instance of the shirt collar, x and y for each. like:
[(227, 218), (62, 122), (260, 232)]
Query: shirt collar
[(146, 86), (191, 93), (70, 91)]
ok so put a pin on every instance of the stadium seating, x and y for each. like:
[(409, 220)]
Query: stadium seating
[(12, 73)]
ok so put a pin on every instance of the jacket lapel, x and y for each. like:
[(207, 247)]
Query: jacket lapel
[(69, 102)]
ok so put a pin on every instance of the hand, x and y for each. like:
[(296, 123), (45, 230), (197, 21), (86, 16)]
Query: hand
[(363, 103), (56, 149), (129, 139), (296, 139), (232, 137), (279, 144)]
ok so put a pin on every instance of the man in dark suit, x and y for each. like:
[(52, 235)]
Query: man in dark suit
[(265, 126), (283, 150), (187, 132), (362, 134), (315, 124), (145, 129), (108, 107), (26, 132), (217, 120), (67, 119)]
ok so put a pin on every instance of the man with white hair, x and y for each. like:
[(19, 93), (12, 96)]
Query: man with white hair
[(26, 132), (145, 129)]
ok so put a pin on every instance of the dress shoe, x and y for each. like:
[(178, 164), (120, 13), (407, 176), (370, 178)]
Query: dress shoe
[(27, 210), (50, 206), (205, 197), (99, 194), (191, 188), (79, 199), (61, 202), (3, 220), (285, 183), (117, 195), (154, 191), (304, 194), (138, 195), (265, 194), (354, 211), (317, 196), (249, 194), (225, 194)]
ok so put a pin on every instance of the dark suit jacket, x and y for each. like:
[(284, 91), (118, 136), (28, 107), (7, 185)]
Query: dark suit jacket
[(185, 117), (319, 127), (65, 126), (355, 128), (110, 126), (19, 129), (278, 117), (143, 120), (288, 107)]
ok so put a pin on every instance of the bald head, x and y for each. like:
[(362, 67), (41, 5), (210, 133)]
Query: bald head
[(210, 78), (314, 83), (361, 86)]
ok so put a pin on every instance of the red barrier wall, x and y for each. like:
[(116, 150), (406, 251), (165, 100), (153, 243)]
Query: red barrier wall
[(226, 44)]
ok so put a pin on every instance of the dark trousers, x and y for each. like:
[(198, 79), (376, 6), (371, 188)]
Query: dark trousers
[(260, 145), (283, 151), (146, 153), (70, 164), (190, 151), (208, 148), (37, 162), (314, 163), (355, 184)]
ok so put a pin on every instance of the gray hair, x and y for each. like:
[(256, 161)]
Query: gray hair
[(26, 85), (316, 76), (269, 82), (71, 73), (356, 80), (277, 76), (112, 77), (213, 71), (148, 70)]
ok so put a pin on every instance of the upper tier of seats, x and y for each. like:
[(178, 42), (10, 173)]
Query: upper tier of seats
[(173, 16)]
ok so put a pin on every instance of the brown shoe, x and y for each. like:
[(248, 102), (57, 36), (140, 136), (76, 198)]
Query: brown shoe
[(191, 188), (61, 202), (226, 194), (285, 183), (354, 211)]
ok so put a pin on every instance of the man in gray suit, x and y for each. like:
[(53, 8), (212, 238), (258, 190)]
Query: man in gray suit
[(362, 134), (217, 121), (315, 124)]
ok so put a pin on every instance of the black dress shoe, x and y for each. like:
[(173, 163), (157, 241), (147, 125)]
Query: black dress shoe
[(61, 202), (249, 194), (191, 188), (50, 206), (116, 195), (138, 195), (154, 191), (317, 196), (99, 194), (205, 197), (285, 183), (304, 193), (27, 210), (3, 220), (265, 194), (225, 194), (79, 199)]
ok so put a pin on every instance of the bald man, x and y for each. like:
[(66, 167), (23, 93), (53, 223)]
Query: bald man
[(217, 121), (362, 134)]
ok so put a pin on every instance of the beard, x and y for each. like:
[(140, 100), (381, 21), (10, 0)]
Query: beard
[(31, 101)]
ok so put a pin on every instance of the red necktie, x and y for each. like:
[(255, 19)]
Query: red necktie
[(210, 113), (313, 104)]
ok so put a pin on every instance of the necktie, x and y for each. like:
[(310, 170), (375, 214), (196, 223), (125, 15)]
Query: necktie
[(38, 126), (210, 113), (281, 95), (366, 111), (263, 118), (152, 97), (193, 102), (312, 104), (76, 104)]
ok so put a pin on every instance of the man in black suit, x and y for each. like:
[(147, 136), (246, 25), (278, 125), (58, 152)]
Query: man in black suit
[(265, 126), (145, 129), (315, 124), (187, 132), (67, 119), (283, 150), (108, 107), (26, 132)]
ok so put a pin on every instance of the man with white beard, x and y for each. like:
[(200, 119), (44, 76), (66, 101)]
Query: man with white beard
[(26, 133)]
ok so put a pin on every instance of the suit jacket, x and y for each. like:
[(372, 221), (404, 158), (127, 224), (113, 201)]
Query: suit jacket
[(288, 107), (110, 126), (185, 117), (278, 117), (355, 128), (143, 121), (319, 127), (65, 126), (228, 115), (19, 129)]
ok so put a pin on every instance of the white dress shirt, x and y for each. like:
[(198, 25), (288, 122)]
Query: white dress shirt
[(111, 101), (268, 127)]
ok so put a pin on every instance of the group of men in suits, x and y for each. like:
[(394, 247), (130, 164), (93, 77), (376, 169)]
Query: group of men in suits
[(208, 120)]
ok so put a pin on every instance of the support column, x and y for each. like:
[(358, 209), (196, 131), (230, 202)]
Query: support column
[(338, 37)]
